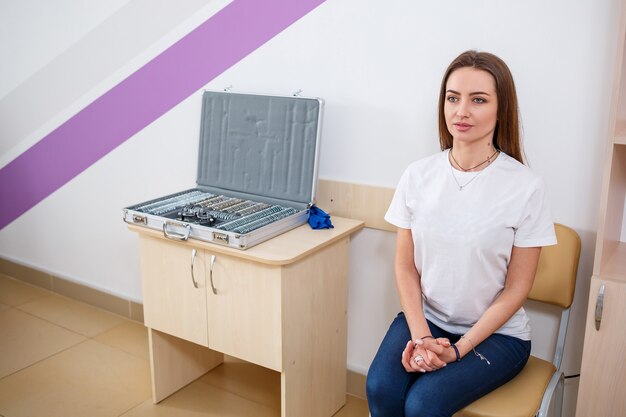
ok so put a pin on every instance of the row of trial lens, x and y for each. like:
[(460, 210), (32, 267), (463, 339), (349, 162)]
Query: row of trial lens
[(232, 225), (224, 209), (235, 214), (235, 222), (173, 203), (284, 212)]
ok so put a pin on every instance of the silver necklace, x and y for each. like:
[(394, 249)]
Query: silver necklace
[(461, 186)]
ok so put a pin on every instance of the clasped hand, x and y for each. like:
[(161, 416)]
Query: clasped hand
[(427, 355)]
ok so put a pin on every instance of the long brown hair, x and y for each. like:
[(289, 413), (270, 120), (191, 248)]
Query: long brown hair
[(506, 136)]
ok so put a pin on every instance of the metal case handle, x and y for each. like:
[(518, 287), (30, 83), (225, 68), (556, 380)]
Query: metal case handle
[(599, 306), (211, 274), (193, 258), (176, 236)]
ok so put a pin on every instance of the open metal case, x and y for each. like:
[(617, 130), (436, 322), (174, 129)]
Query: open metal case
[(257, 172)]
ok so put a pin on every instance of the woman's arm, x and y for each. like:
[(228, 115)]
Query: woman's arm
[(410, 293), (408, 285), (519, 281)]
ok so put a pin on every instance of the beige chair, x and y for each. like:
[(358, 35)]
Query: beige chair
[(541, 382)]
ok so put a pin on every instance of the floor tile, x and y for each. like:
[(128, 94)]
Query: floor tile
[(73, 315), (14, 292), (129, 336), (26, 340), (240, 389), (355, 407), (87, 380), (262, 386), (253, 382), (202, 399)]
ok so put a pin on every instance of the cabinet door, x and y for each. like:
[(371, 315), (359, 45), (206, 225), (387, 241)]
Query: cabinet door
[(244, 316), (602, 391), (171, 301)]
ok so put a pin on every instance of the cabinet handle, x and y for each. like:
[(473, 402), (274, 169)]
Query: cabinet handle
[(599, 306), (193, 258), (211, 274)]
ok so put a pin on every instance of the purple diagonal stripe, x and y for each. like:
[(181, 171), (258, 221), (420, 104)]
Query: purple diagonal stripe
[(223, 40)]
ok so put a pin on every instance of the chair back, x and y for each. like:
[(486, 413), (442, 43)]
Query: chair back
[(555, 279), (539, 387)]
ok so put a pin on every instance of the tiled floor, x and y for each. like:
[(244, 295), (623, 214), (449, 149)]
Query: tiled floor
[(59, 357)]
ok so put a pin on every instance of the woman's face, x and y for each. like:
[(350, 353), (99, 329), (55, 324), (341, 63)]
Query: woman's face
[(471, 105)]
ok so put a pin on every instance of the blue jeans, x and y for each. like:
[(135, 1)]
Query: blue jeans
[(393, 392)]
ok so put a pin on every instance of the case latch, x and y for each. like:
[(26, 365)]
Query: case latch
[(220, 237), (140, 219)]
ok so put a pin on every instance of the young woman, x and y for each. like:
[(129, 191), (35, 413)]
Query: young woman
[(471, 223)]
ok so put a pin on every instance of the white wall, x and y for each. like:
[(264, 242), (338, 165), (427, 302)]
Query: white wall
[(378, 66), (35, 32), (67, 57)]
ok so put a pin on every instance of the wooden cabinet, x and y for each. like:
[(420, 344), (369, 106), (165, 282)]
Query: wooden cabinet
[(244, 313), (281, 304), (172, 303), (602, 388), (214, 300)]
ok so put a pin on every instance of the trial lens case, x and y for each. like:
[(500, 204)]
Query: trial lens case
[(257, 172)]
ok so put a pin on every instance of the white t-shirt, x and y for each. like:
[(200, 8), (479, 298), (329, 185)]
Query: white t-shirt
[(463, 238)]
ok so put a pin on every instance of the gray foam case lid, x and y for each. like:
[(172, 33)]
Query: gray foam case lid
[(259, 145)]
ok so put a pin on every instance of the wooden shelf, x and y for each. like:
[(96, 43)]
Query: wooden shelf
[(600, 391), (615, 266), (620, 132)]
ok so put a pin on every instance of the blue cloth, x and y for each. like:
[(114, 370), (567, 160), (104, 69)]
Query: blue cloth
[(391, 391), (318, 219)]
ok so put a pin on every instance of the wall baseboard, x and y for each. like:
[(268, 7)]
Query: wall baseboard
[(356, 384), (79, 292)]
